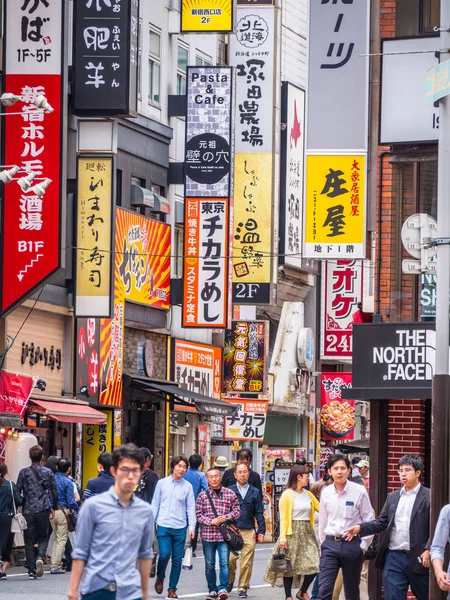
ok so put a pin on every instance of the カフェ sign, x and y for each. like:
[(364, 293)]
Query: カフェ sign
[(392, 361)]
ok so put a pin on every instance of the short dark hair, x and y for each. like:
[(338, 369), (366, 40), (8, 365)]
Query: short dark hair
[(146, 453), (64, 464), (358, 479), (177, 459), (355, 460), (195, 460), (300, 461), (36, 453), (336, 458), (130, 451), (214, 469), (244, 454), (295, 471), (52, 462), (105, 459), (413, 460)]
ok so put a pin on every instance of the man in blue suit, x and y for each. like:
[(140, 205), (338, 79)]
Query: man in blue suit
[(250, 501)]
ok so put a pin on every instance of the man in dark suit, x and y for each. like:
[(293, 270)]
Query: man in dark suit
[(404, 551), (243, 457)]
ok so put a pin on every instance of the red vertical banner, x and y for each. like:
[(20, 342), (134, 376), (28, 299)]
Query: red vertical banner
[(337, 416), (31, 224)]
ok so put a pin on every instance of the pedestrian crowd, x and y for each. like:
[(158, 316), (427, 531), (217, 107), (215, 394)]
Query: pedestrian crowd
[(130, 525)]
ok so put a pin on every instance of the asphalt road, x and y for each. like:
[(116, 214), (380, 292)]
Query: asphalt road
[(192, 583)]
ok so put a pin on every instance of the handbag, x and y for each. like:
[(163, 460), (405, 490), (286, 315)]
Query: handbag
[(187, 559), (70, 520), (18, 523), (372, 550), (230, 533), (280, 563)]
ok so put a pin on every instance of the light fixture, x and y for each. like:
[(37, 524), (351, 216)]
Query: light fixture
[(186, 421), (9, 99), (41, 102), (25, 182), (7, 175), (84, 391), (2, 430), (39, 188)]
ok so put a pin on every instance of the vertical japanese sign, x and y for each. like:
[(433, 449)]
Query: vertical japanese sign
[(197, 368), (105, 60), (342, 289), (208, 191), (338, 55), (337, 416), (204, 16), (141, 275), (249, 422), (96, 439), (252, 53), (88, 359), (244, 358), (33, 49), (95, 218), (335, 215)]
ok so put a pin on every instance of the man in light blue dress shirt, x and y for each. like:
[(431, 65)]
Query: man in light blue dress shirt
[(173, 507), (113, 552)]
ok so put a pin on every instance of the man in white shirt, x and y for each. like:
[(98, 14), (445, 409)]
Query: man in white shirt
[(342, 505), (404, 552)]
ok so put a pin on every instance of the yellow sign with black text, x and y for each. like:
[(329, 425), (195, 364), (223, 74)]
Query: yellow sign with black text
[(96, 439), (94, 237), (335, 206), (204, 16)]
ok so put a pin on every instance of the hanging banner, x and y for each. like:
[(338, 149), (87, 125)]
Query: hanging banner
[(205, 288), (31, 224), (206, 16), (15, 391), (245, 357), (337, 416), (105, 57), (87, 354), (95, 218), (197, 368), (249, 422), (96, 439), (335, 207), (342, 289)]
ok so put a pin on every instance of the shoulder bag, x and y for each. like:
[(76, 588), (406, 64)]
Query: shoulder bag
[(18, 522), (230, 533)]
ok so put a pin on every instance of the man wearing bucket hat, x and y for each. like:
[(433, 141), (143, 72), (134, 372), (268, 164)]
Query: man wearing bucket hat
[(221, 463)]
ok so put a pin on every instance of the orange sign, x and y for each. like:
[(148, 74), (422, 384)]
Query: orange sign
[(142, 275)]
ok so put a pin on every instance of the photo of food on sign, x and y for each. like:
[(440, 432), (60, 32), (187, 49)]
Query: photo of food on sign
[(337, 416)]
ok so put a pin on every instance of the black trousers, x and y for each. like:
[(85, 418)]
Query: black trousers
[(194, 541), (5, 534), (347, 556), (36, 533)]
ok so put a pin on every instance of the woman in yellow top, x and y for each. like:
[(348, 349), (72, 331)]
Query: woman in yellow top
[(297, 507)]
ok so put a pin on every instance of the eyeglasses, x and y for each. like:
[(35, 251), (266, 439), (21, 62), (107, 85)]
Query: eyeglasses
[(127, 470), (403, 471)]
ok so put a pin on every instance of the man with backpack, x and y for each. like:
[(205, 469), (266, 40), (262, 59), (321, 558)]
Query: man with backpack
[(38, 487)]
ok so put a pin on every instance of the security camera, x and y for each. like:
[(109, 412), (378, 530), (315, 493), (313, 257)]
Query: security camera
[(84, 391), (41, 385), (281, 271), (283, 126)]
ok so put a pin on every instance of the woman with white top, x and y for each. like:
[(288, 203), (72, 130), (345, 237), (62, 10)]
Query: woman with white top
[(297, 508)]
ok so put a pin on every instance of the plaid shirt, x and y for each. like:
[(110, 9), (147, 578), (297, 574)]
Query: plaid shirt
[(226, 503)]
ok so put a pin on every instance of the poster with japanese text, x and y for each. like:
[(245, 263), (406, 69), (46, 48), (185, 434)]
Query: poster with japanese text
[(252, 240), (249, 422), (96, 439), (197, 368), (205, 274), (95, 214), (342, 289), (245, 357), (337, 416), (105, 57), (206, 16), (141, 275), (87, 364), (335, 206), (31, 222)]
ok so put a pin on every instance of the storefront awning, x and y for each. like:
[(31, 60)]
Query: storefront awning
[(68, 413), (10, 420), (203, 404)]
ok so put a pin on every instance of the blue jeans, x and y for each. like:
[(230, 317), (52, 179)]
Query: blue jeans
[(170, 542), (209, 550), (315, 589), (398, 576), (101, 595)]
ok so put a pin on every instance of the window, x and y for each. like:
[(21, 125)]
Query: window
[(416, 17), (182, 62), (154, 67), (178, 252), (201, 61)]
